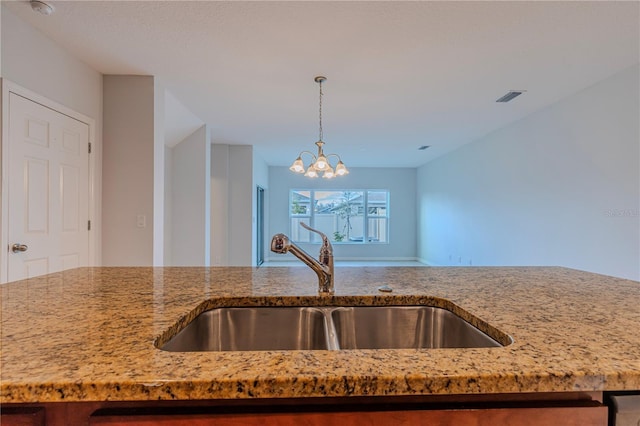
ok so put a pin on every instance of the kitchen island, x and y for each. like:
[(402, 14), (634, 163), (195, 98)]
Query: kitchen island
[(88, 337)]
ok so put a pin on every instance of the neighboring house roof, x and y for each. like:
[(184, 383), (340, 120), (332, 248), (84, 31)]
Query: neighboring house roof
[(300, 197), (330, 201)]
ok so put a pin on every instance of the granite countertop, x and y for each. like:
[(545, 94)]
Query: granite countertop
[(88, 334)]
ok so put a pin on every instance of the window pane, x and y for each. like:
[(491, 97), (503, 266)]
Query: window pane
[(377, 230), (326, 223), (353, 228), (377, 203), (332, 201), (298, 233), (345, 207), (300, 203)]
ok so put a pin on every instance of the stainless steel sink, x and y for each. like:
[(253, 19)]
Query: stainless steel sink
[(403, 327), (327, 328), (253, 329)]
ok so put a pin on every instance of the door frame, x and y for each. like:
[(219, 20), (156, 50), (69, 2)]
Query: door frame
[(260, 257), (9, 87)]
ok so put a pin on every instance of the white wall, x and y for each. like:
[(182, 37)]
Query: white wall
[(400, 182), (33, 61), (560, 187), (190, 211), (261, 179), (219, 205), (1, 8), (241, 210), (128, 170), (232, 209), (168, 208), (158, 172)]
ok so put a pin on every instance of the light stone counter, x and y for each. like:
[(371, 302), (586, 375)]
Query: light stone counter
[(88, 334)]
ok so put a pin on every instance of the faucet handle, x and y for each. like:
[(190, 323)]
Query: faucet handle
[(325, 240), (280, 243)]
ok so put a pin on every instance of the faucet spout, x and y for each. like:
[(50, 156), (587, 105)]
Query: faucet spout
[(323, 267)]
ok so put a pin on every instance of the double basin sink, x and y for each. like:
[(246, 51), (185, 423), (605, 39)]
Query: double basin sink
[(329, 328)]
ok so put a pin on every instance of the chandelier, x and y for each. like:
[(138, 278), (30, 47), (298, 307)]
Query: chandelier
[(320, 165)]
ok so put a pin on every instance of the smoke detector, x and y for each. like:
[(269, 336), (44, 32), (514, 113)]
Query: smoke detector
[(41, 7)]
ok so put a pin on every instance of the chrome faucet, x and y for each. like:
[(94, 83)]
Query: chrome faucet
[(323, 267)]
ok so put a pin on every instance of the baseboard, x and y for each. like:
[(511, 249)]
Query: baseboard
[(377, 259), (351, 259), (426, 262)]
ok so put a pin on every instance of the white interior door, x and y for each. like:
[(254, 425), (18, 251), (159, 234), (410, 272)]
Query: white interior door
[(48, 184)]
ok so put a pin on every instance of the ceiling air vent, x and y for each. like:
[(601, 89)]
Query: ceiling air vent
[(423, 147), (510, 95)]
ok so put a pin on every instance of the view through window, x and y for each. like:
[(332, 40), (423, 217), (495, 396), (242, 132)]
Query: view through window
[(345, 216)]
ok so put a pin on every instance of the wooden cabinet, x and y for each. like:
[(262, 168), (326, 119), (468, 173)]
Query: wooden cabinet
[(532, 416), (22, 416), (568, 409)]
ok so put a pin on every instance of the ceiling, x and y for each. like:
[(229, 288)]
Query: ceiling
[(399, 74)]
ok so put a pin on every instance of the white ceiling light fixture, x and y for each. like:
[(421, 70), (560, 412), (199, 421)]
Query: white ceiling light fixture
[(42, 7), (320, 165)]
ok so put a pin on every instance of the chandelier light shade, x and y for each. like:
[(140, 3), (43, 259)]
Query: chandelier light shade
[(320, 165)]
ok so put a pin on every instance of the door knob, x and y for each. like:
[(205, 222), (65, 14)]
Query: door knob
[(19, 247)]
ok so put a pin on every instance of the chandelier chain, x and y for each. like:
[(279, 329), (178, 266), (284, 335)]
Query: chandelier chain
[(320, 165), (320, 115)]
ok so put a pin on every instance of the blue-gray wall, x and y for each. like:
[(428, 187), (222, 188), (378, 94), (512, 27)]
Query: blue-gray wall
[(559, 187)]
